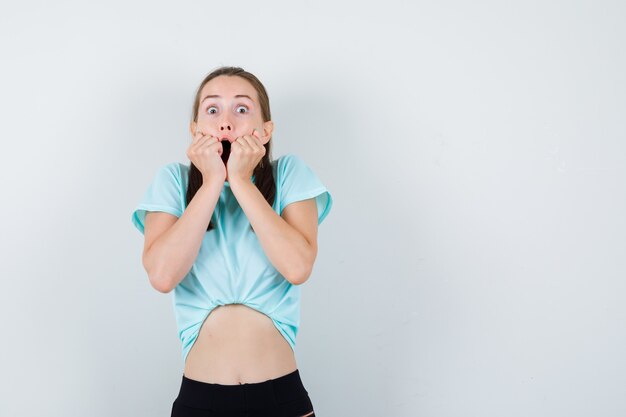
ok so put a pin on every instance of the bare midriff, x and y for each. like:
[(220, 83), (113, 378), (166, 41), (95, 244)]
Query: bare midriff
[(238, 345)]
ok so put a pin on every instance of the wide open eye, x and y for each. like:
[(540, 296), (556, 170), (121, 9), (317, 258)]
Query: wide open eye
[(209, 108), (242, 107)]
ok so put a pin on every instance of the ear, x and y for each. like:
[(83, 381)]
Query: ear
[(192, 128), (268, 129)]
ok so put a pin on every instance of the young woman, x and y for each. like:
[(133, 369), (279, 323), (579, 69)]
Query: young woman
[(234, 235)]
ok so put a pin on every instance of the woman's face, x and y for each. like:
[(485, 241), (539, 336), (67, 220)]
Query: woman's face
[(229, 108)]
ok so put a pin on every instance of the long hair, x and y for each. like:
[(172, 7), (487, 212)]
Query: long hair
[(263, 174)]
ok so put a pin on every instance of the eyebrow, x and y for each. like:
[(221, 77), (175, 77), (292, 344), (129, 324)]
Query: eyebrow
[(237, 96)]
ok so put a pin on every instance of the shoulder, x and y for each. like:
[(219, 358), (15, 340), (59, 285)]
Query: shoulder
[(176, 170), (171, 175)]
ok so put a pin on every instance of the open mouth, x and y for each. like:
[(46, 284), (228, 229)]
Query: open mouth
[(225, 150)]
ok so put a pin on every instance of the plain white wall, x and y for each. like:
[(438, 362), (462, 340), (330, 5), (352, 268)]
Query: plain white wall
[(472, 264)]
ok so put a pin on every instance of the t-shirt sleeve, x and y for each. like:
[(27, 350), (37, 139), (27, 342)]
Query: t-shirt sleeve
[(163, 194), (299, 182)]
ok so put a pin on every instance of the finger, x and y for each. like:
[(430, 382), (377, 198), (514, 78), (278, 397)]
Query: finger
[(254, 143), (211, 140), (239, 143), (214, 142), (201, 141), (197, 136), (258, 144), (251, 141), (255, 136)]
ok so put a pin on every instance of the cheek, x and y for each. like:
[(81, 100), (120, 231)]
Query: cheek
[(204, 120)]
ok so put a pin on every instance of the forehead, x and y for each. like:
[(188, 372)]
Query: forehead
[(228, 86)]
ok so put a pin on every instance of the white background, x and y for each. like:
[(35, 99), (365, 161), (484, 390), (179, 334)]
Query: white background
[(472, 264)]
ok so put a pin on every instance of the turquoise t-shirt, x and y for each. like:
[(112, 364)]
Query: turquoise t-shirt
[(231, 266)]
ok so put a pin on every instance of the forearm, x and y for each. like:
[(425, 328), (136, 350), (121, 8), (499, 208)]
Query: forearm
[(285, 247), (174, 252)]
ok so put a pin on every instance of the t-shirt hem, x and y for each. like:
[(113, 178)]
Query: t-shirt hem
[(139, 221), (312, 194)]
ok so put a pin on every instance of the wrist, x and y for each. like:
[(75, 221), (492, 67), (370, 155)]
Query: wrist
[(240, 184), (238, 181), (212, 183)]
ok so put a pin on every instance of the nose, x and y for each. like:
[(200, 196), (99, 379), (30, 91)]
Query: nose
[(226, 127)]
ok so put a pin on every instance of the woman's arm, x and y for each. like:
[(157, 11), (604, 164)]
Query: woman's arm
[(169, 255), (291, 251)]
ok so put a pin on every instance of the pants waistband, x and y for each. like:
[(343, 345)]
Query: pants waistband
[(241, 397)]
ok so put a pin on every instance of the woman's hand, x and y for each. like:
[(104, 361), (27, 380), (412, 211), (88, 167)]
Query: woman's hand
[(205, 153), (245, 154)]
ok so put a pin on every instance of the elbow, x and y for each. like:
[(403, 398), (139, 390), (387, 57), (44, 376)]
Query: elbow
[(162, 287), (300, 277), (159, 281), (160, 284), (156, 276)]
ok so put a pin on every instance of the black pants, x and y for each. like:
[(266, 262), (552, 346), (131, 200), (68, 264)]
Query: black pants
[(284, 396)]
